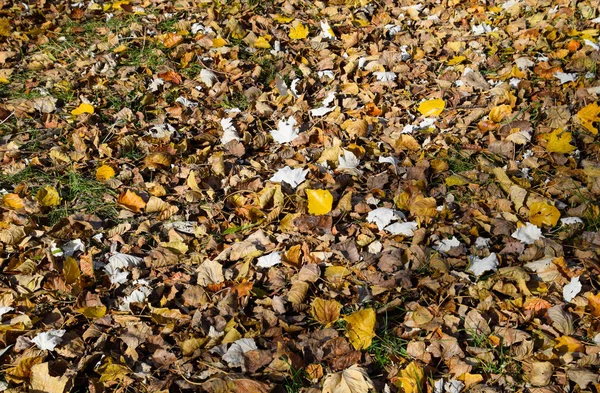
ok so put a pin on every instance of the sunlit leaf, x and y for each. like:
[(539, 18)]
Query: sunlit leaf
[(319, 202), (71, 270), (132, 201), (588, 115), (83, 108), (12, 201), (559, 141), (104, 172), (542, 213), (325, 312), (48, 196), (411, 378), (432, 107), (361, 328), (298, 31)]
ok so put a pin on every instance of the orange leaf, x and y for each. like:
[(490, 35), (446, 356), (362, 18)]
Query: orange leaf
[(171, 76), (170, 40), (567, 344), (12, 201), (132, 201), (594, 303), (544, 70)]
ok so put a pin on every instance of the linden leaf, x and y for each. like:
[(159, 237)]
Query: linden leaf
[(410, 379), (325, 312), (12, 201), (541, 213), (319, 202), (48, 196), (282, 19), (132, 201), (500, 112), (432, 107), (262, 42), (361, 328), (559, 141), (104, 172), (83, 108), (299, 31), (588, 115)]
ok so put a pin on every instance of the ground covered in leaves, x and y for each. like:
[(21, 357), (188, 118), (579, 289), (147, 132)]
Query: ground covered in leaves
[(297, 196)]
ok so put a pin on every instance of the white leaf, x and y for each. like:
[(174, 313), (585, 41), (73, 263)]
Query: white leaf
[(137, 296), (185, 102), (326, 31), (479, 266), (116, 276), (524, 63), (385, 76), (572, 289), (294, 87), (509, 4), (122, 261), (188, 227), (286, 130), (48, 340), (565, 77), (293, 177), (595, 20), (235, 354), (269, 260), (325, 108), (381, 216), (446, 244), (453, 386), (571, 220), (482, 242), (208, 77), (528, 233), (328, 73), (348, 161), (161, 131), (5, 309), (200, 28), (481, 29), (375, 247), (229, 131), (71, 247), (388, 160), (402, 228), (592, 44), (155, 84)]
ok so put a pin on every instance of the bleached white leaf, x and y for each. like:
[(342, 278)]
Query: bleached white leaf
[(482, 242), (326, 30), (214, 333), (392, 30), (156, 84), (188, 227), (438, 386), (572, 289), (71, 247), (233, 110), (591, 43), (276, 48), (528, 233), (5, 309), (325, 106), (381, 216), (571, 220), (200, 28), (514, 82), (139, 295), (524, 63), (160, 131), (328, 73), (208, 77), (123, 261), (595, 20), (269, 260), (229, 131), (46, 104), (293, 177), (48, 340), (453, 386), (402, 228), (565, 77), (388, 160), (385, 76), (479, 266), (235, 354), (446, 245), (372, 200), (509, 4), (185, 102), (544, 269), (116, 276), (481, 29), (286, 130), (348, 160), (519, 137), (294, 87), (375, 247)]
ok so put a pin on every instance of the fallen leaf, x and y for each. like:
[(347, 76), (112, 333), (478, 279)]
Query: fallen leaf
[(588, 115), (352, 380), (298, 31), (411, 378), (559, 141), (361, 328), (48, 196), (83, 108), (132, 201), (542, 213), (104, 172), (432, 107), (42, 381), (319, 202), (12, 201), (326, 312)]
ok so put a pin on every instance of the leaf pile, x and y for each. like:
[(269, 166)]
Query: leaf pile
[(286, 196)]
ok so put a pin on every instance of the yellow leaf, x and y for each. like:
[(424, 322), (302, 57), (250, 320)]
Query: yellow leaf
[(567, 344), (104, 172), (319, 202), (541, 213), (500, 112), (455, 180), (12, 201), (282, 19), (352, 380), (588, 115), (263, 42), (4, 80), (71, 270), (361, 328), (132, 201), (456, 60), (559, 141), (432, 107), (170, 40), (92, 312), (299, 31), (594, 303), (48, 196), (218, 42), (121, 48), (423, 207), (83, 108), (410, 379), (325, 312)]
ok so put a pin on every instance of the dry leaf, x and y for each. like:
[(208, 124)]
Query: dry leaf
[(104, 172), (132, 201), (48, 196), (361, 328), (298, 31), (542, 213), (325, 312), (83, 108), (12, 201), (432, 107), (352, 380)]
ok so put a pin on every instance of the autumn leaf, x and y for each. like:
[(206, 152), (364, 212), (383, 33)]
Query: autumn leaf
[(352, 380), (319, 202), (48, 196), (93, 312), (500, 112), (361, 328), (298, 31), (132, 201), (12, 201), (411, 378), (559, 141), (170, 40), (104, 172), (588, 115), (263, 42), (71, 270), (83, 108), (542, 213), (432, 107), (325, 312)]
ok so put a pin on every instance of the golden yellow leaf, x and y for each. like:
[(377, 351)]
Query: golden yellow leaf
[(541, 213), (48, 196), (298, 31), (12, 201), (568, 344), (83, 108), (104, 172), (319, 202), (263, 42), (218, 42), (4, 80), (132, 201), (411, 378), (594, 303), (432, 107), (170, 40), (71, 270), (471, 379), (423, 207), (92, 312), (456, 60), (499, 113), (559, 141), (361, 328), (588, 115), (325, 312), (455, 180), (282, 19)]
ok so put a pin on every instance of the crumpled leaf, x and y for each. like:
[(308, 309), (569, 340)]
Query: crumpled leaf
[(235, 354), (559, 141), (286, 130), (293, 177), (572, 289), (479, 266), (48, 196), (411, 378), (352, 380), (42, 381), (12, 201), (104, 172), (132, 201), (361, 328), (527, 233), (48, 340), (269, 260), (588, 115)]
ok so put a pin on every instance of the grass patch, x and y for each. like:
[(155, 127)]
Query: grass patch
[(386, 347), (236, 100), (503, 363)]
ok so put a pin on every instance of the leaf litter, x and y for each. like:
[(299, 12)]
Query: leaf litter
[(348, 196)]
